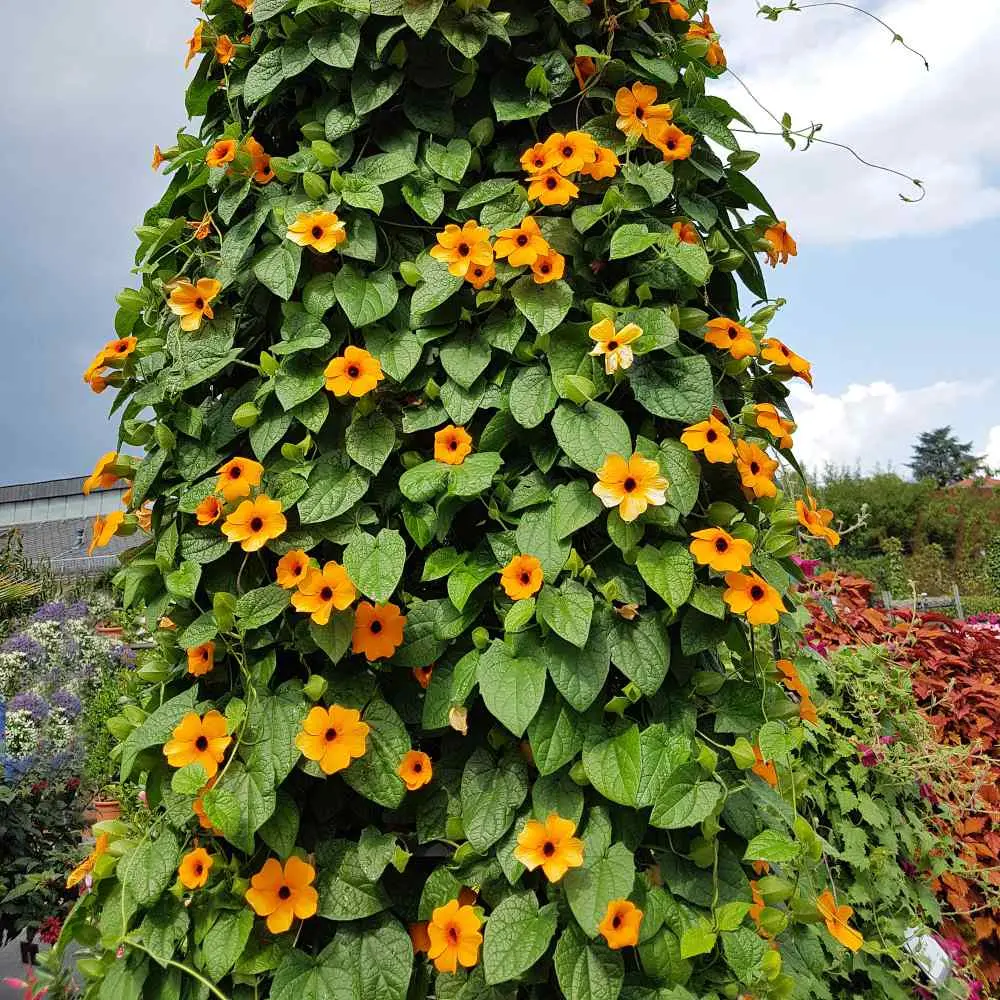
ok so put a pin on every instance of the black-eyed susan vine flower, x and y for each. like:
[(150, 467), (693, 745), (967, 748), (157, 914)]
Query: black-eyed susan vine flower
[(785, 359), (415, 770), (572, 151), (550, 846), (199, 739), (620, 924), (378, 630), (223, 152), (224, 50), (837, 920), (750, 595), (192, 301), (333, 737), (630, 484), (104, 528), (194, 43), (201, 659), (728, 335), (550, 266), (238, 477), (522, 577), (195, 868), (452, 445), (712, 438), (292, 569), (454, 937), (462, 247), (816, 520), (672, 142), (255, 522), (704, 29), (552, 188), (282, 893), (756, 469), (717, 549), (86, 867), (353, 373), (614, 345), (104, 475), (686, 233), (260, 161), (322, 231), (522, 245), (324, 591), (637, 109), (767, 417), (209, 511)]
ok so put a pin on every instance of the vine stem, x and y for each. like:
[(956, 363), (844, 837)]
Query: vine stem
[(194, 973)]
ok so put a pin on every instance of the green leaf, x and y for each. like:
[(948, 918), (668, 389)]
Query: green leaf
[(669, 570), (397, 351), (334, 638), (591, 433), (486, 191), (586, 970), (491, 794), (278, 268), (375, 960), (370, 90), (365, 298), (555, 735), (424, 197), (337, 46), (613, 767), (685, 799), (258, 607), (576, 507), (711, 126), (334, 487), (384, 168), (465, 357), (183, 581), (641, 651), (744, 950), (517, 935), (698, 939), (149, 868), (475, 474), (632, 238), (543, 306), (683, 474), (369, 441), (424, 481), (281, 831), (511, 686), (308, 977), (374, 775), (375, 565), (345, 891), (532, 395), (225, 941), (449, 161), (604, 878), (157, 728), (538, 535), (772, 846), (680, 389), (264, 9), (437, 287), (164, 925), (264, 75), (557, 794), (579, 674), (691, 258), (360, 192), (567, 611), (663, 749), (298, 380)]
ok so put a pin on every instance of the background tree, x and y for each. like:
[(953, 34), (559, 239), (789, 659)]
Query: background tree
[(939, 455)]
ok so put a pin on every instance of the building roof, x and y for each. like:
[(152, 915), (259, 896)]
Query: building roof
[(978, 483), (63, 544), (73, 486)]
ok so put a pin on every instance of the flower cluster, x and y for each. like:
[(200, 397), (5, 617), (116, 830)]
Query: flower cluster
[(551, 164), (642, 119)]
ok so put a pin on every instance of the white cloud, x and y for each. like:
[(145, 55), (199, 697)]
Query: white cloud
[(839, 68), (875, 424), (992, 449)]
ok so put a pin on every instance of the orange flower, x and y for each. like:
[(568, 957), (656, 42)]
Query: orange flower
[(144, 517), (670, 141), (102, 477), (751, 595), (320, 230), (766, 415), (98, 383), (104, 528), (85, 867), (224, 49), (756, 469), (523, 245), (419, 937), (454, 937), (415, 769), (95, 372), (613, 345), (201, 659), (255, 522), (353, 373), (605, 165), (208, 511), (461, 248), (199, 739), (480, 275), (783, 357), (677, 11), (422, 675), (549, 267), (782, 244), (816, 520), (836, 919), (764, 768), (715, 57), (158, 157), (194, 43), (584, 68), (757, 908), (550, 846), (637, 109), (246, 5), (199, 807), (237, 477), (686, 233), (192, 302), (573, 151), (281, 895), (521, 577), (728, 335), (712, 437), (378, 630), (223, 152), (620, 925), (260, 162), (790, 678), (551, 188), (631, 485), (195, 867), (333, 737), (322, 592), (119, 349), (718, 550), (292, 567), (452, 445), (539, 159)]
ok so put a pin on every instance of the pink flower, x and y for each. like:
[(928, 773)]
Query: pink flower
[(976, 989), (887, 741), (955, 948), (927, 792), (808, 566), (868, 756), (50, 930), (27, 985)]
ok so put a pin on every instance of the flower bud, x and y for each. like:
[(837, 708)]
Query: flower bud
[(480, 638), (315, 687), (314, 185), (325, 153), (246, 415)]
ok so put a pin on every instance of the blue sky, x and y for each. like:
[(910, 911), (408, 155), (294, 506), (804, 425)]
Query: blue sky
[(891, 302)]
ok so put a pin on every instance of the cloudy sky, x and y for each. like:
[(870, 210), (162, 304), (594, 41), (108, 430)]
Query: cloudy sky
[(890, 301)]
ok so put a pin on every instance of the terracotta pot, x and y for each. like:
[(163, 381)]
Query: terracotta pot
[(113, 631), (105, 809)]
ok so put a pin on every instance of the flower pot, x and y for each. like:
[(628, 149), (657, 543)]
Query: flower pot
[(105, 809), (112, 631)]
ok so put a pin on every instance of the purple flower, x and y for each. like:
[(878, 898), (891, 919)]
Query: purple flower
[(909, 868), (31, 703), (808, 566), (25, 645), (868, 756), (67, 702), (818, 646), (59, 611), (125, 655)]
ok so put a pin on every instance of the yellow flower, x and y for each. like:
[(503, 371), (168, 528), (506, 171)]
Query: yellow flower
[(208, 511), (201, 659), (766, 416), (782, 244), (605, 165), (480, 275), (782, 357), (452, 445), (728, 335), (714, 56), (751, 595), (255, 522), (158, 157), (353, 373), (195, 867), (620, 926), (548, 267), (631, 485), (199, 739), (718, 550), (292, 568), (104, 528), (764, 769), (521, 577), (637, 108), (237, 477), (224, 151), (756, 469), (378, 630), (193, 302), (194, 43), (102, 477), (323, 591), (613, 344), (224, 50), (551, 188), (462, 247), (260, 161), (712, 437), (673, 143), (333, 737), (816, 520), (550, 846), (85, 867), (836, 919), (573, 151), (202, 227), (686, 233), (119, 349), (415, 769), (523, 245), (320, 230), (454, 937), (790, 678), (282, 894), (539, 158)]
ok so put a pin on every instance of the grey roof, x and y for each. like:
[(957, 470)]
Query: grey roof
[(64, 544), (42, 491)]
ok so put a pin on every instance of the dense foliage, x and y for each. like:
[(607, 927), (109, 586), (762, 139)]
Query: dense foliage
[(465, 534), (940, 457)]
